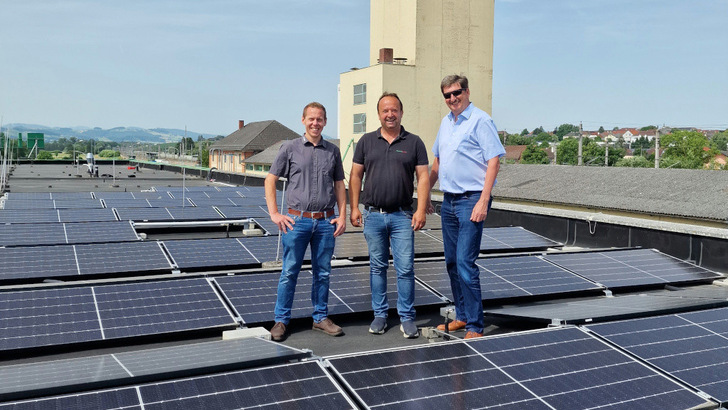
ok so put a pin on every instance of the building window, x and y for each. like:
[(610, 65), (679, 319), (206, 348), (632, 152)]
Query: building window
[(360, 123), (249, 167), (266, 168), (360, 94), (259, 167)]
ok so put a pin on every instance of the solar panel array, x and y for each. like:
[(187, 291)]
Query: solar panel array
[(58, 261), (509, 277), (636, 267), (63, 316), (552, 369), (299, 385), (111, 370), (616, 307), (507, 239), (555, 368), (66, 233), (692, 347)]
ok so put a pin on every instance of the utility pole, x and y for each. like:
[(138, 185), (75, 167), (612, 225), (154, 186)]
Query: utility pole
[(657, 148), (581, 139)]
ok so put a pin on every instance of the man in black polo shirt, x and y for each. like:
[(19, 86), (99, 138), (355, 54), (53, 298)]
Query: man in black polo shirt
[(390, 157)]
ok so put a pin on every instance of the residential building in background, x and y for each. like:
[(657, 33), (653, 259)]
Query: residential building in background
[(413, 45), (230, 153)]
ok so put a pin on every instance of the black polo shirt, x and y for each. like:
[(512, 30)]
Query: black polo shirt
[(389, 169)]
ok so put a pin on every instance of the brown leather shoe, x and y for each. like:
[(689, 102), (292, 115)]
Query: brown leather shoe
[(452, 326), (278, 332), (328, 327), (472, 335)]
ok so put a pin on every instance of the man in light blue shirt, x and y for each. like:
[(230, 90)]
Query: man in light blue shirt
[(467, 152)]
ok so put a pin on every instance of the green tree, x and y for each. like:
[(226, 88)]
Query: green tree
[(649, 127), (601, 129), (525, 131), (45, 155), (567, 151), (564, 129), (685, 149), (537, 131), (642, 143), (545, 137), (720, 141), (534, 155), (205, 158), (516, 139), (108, 153)]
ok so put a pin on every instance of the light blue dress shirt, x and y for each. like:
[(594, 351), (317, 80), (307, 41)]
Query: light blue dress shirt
[(464, 148)]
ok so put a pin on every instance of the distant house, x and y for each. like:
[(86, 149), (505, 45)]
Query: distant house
[(230, 153), (259, 164), (514, 152)]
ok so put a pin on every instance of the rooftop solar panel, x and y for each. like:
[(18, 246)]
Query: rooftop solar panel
[(169, 203), (32, 234), (559, 368), (351, 285), (86, 215), (29, 195), (512, 238), (509, 277), (30, 262), (77, 203), (690, 346), (112, 370), (150, 195), (299, 385), (127, 203), (194, 213), (29, 204), (123, 398), (122, 257), (209, 253), (144, 214), (159, 307), (223, 194), (16, 216), (351, 245), (71, 195), (47, 317), (602, 309), (268, 248), (254, 296), (634, 267), (113, 195), (99, 232), (211, 202), (243, 211)]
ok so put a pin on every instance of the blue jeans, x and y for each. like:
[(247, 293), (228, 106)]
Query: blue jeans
[(320, 234), (381, 230), (462, 245)]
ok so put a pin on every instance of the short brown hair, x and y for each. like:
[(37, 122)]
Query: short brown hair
[(314, 105), (388, 94), (452, 79)]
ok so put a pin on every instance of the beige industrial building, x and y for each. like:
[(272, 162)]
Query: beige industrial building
[(413, 45)]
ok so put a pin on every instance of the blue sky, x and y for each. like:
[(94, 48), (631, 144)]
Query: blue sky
[(207, 64)]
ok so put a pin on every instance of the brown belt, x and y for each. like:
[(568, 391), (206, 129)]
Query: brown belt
[(312, 215)]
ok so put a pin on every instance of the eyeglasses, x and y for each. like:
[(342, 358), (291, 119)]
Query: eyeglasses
[(455, 93)]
